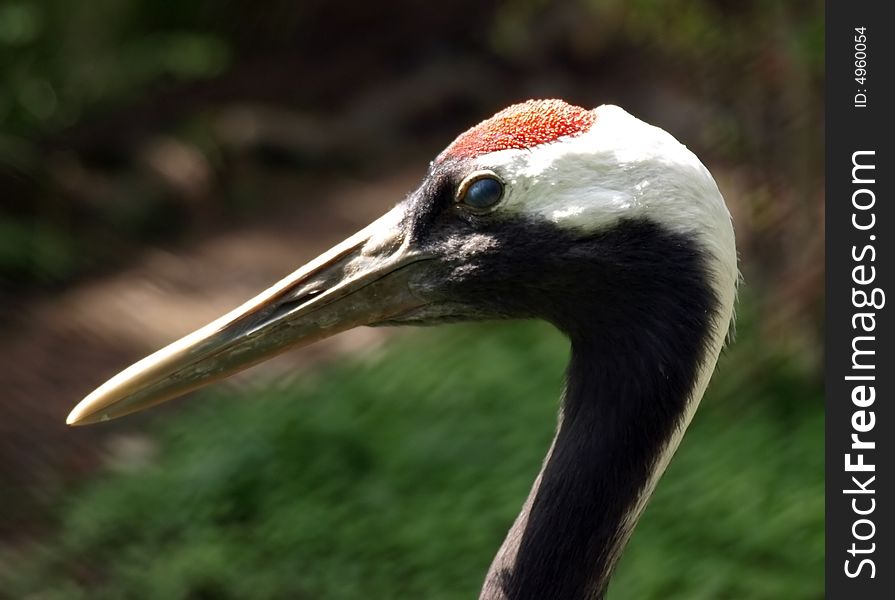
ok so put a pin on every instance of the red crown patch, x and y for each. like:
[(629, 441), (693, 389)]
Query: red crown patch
[(521, 126)]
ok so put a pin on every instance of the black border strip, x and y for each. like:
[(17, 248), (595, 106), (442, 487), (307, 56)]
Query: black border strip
[(860, 363)]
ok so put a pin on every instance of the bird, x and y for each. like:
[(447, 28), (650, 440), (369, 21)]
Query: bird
[(590, 219)]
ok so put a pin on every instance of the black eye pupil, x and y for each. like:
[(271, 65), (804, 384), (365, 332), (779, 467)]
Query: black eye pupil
[(483, 193)]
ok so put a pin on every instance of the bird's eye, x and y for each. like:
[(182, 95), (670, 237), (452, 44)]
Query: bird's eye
[(480, 192)]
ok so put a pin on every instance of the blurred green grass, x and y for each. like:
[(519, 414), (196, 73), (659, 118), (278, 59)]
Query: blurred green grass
[(396, 475)]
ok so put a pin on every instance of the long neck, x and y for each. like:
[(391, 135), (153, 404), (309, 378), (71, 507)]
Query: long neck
[(628, 397)]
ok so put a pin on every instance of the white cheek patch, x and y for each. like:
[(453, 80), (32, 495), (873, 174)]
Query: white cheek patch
[(563, 214), (565, 188), (620, 168), (577, 213)]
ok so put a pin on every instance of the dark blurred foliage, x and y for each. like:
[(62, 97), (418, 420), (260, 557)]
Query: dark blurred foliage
[(134, 131)]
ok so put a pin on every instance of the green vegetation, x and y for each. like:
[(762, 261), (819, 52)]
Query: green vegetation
[(397, 475)]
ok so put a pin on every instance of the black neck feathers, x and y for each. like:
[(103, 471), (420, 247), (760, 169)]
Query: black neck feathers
[(636, 355)]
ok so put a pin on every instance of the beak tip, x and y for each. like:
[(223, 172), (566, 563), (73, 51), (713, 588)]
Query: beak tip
[(83, 415), (75, 417)]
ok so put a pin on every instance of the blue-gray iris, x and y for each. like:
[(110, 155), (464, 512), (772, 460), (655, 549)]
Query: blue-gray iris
[(483, 193)]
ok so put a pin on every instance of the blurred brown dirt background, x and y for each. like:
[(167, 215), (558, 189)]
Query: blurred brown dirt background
[(160, 163)]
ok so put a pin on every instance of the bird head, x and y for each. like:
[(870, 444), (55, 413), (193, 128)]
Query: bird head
[(545, 210)]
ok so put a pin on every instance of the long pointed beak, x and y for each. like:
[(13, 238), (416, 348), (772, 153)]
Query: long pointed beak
[(362, 281)]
